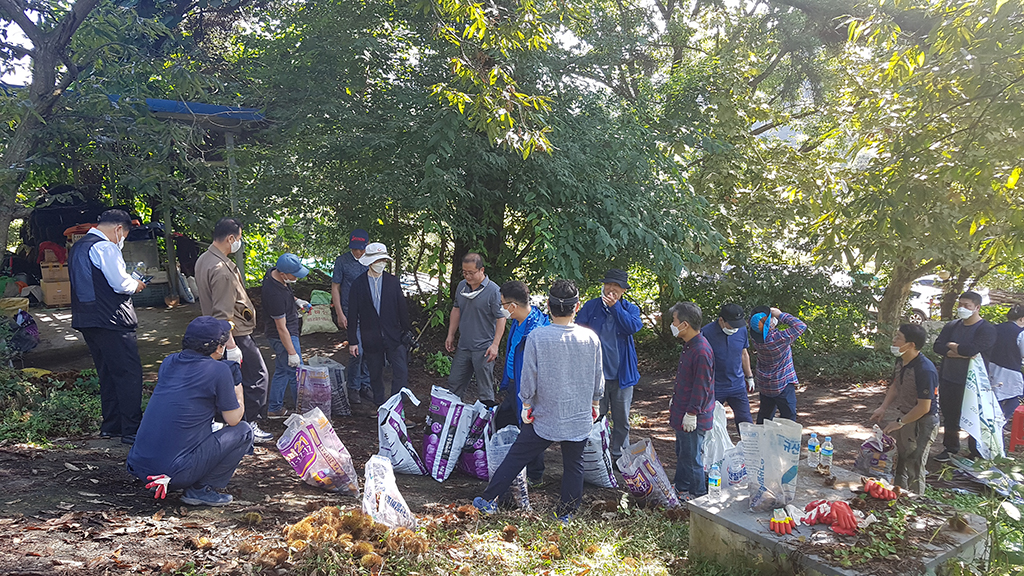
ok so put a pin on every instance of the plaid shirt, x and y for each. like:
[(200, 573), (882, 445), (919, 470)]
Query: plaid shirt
[(695, 384), (775, 357)]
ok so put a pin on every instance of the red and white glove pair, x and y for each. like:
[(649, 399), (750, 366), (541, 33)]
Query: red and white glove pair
[(160, 483), (837, 515)]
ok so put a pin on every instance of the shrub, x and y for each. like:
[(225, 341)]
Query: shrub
[(48, 408)]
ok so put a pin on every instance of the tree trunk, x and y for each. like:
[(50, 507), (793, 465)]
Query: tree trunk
[(894, 300)]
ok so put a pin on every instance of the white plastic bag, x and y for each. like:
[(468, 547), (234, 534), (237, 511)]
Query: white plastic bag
[(645, 476), (393, 436), (735, 467), (497, 447), (339, 392), (381, 499), (788, 440), (772, 455), (597, 456), (314, 389), (980, 414), (316, 454), (448, 424), (717, 441)]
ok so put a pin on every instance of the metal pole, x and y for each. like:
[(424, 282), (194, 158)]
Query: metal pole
[(229, 141)]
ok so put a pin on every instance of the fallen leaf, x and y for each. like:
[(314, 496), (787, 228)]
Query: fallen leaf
[(72, 467), (159, 515), (89, 494)]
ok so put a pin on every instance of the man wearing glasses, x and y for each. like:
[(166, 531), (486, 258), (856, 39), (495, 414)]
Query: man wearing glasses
[(477, 315)]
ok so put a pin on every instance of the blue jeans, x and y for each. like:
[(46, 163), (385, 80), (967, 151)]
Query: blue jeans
[(737, 399), (785, 402), (618, 400), (689, 468), (284, 375)]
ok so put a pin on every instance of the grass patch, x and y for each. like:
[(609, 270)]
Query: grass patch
[(38, 409)]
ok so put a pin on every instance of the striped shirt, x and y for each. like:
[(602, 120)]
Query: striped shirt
[(775, 356)]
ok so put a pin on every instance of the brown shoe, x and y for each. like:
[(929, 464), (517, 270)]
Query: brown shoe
[(279, 414)]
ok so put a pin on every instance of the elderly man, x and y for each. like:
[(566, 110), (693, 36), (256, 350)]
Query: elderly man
[(346, 269), (693, 399), (102, 310), (281, 305), (958, 341), (477, 316), (176, 447), (615, 320), (562, 383), (732, 362), (222, 295), (378, 320)]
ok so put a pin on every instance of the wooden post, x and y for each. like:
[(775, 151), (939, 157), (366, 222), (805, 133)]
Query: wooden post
[(229, 142)]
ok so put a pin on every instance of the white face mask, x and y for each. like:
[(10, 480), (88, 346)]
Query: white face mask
[(505, 313), (774, 322), (730, 331), (675, 331), (236, 245), (377, 266), (120, 243), (895, 350), (963, 313), (290, 280)]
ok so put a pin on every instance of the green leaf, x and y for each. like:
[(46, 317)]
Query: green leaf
[(1011, 511)]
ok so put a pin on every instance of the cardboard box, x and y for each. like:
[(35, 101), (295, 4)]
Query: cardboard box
[(54, 272), (57, 293)]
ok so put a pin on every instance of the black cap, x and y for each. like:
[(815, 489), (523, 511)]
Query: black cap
[(358, 239), (733, 315), (616, 276)]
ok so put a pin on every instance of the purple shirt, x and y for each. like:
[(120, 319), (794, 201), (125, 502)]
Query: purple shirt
[(775, 356), (695, 384)]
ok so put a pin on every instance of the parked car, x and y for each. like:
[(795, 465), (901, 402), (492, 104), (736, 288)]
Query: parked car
[(926, 298)]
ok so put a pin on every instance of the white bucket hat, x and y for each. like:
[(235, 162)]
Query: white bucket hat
[(374, 251)]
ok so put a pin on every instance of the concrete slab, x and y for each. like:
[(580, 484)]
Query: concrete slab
[(728, 532)]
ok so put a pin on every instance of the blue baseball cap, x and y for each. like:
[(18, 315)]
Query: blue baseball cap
[(358, 239), (288, 263), (207, 329), (756, 319)]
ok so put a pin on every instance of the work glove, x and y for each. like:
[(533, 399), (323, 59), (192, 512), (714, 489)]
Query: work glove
[(795, 513), (594, 408), (160, 483), (880, 489), (294, 360), (781, 523), (303, 305), (750, 384), (527, 415), (234, 354), (817, 512), (689, 422), (843, 521)]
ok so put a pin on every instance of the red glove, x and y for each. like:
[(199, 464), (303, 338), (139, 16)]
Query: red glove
[(781, 523), (842, 518), (879, 489), (822, 514), (160, 483)]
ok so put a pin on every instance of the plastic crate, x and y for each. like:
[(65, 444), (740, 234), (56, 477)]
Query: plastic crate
[(153, 295)]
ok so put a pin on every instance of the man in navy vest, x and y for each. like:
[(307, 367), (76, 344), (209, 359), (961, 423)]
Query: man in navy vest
[(101, 309)]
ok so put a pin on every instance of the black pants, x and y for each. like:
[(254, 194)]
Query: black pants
[(255, 380), (398, 357), (951, 401), (212, 463), (116, 356), (785, 402), (506, 414), (526, 448)]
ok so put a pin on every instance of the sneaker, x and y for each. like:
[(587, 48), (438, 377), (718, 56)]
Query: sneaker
[(684, 496), (485, 506), (259, 436), (353, 397), (943, 457), (128, 439), (205, 496), (534, 484), (564, 518), (275, 414), (366, 393), (109, 435), (215, 426)]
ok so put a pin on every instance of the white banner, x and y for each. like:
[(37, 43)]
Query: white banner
[(980, 415)]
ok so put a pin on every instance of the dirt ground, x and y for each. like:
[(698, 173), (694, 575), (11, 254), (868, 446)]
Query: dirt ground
[(72, 509)]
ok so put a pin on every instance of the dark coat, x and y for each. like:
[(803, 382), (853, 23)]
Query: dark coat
[(378, 332)]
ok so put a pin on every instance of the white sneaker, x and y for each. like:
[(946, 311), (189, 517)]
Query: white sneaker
[(216, 425), (259, 436)]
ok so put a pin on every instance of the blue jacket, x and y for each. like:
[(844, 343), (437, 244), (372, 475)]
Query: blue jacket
[(514, 349), (627, 317)]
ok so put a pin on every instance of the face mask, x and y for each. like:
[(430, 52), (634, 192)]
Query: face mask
[(377, 266), (236, 245), (730, 331), (774, 322), (120, 243), (895, 350), (675, 331), (963, 313), (290, 280), (505, 313)]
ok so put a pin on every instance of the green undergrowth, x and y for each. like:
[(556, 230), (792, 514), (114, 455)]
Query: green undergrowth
[(37, 410)]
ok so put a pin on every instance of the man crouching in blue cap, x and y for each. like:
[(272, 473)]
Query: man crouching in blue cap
[(176, 447)]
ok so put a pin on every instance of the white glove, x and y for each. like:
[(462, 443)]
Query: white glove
[(527, 415), (234, 354), (294, 360), (689, 422), (750, 384), (795, 513), (302, 304)]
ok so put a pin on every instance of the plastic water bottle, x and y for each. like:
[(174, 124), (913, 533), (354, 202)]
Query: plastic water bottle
[(813, 451), (826, 452), (715, 483)]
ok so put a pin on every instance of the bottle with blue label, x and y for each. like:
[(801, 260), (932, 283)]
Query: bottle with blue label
[(813, 451), (826, 452), (714, 483)]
